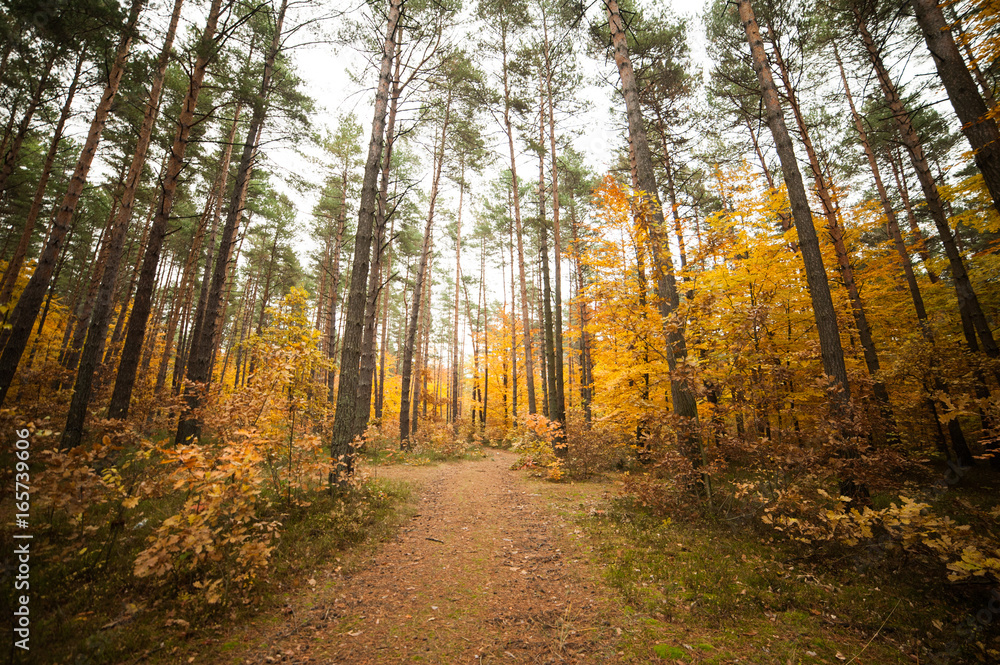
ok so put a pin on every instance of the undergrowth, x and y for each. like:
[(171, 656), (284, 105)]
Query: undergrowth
[(713, 592), (96, 610)]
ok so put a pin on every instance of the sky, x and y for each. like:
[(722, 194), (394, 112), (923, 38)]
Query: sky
[(325, 71)]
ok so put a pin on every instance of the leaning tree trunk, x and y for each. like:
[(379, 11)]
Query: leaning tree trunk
[(14, 149), (892, 225), (681, 394), (170, 179), (14, 265), (968, 302), (350, 357), (835, 228), (819, 289), (979, 127), (212, 211), (904, 193), (28, 305), (100, 315), (203, 338)]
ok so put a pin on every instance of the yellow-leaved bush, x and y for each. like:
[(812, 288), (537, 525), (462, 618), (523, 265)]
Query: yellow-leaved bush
[(258, 452)]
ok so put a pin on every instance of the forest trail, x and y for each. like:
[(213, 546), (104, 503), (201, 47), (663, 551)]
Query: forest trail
[(489, 569)]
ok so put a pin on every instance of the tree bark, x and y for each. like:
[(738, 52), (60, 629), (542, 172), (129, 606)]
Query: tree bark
[(892, 223), (831, 211), (331, 324), (14, 148), (585, 362), (350, 358), (978, 125), (100, 316), (28, 305), (13, 269), (968, 302), (213, 210), (548, 338), (405, 426), (170, 179), (204, 337), (529, 370), (454, 417), (367, 363), (681, 394), (558, 355)]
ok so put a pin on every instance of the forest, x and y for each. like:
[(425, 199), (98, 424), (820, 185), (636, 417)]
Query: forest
[(671, 326)]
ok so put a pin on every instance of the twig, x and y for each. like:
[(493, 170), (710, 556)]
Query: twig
[(875, 635), (435, 540), (147, 654)]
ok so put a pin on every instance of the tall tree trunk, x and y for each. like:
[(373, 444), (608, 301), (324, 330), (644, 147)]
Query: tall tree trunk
[(331, 323), (350, 358), (904, 192), (204, 338), (169, 181), (13, 150), (984, 84), (529, 370), (819, 289), (834, 226), (540, 312), (485, 391), (558, 355), (405, 425), (213, 208), (72, 357), (681, 394), (116, 336), (423, 346), (374, 291), (979, 127), (513, 328), (26, 311), (380, 395), (892, 223), (458, 282), (551, 392), (16, 261), (100, 316), (968, 302)]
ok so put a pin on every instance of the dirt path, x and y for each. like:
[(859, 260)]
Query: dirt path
[(486, 571)]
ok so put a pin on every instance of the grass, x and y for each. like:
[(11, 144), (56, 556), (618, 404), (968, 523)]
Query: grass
[(712, 593), (98, 612)]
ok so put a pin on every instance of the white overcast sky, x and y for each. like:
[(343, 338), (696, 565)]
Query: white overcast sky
[(324, 71)]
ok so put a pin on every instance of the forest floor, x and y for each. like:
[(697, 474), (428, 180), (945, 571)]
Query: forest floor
[(483, 570), (488, 565)]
